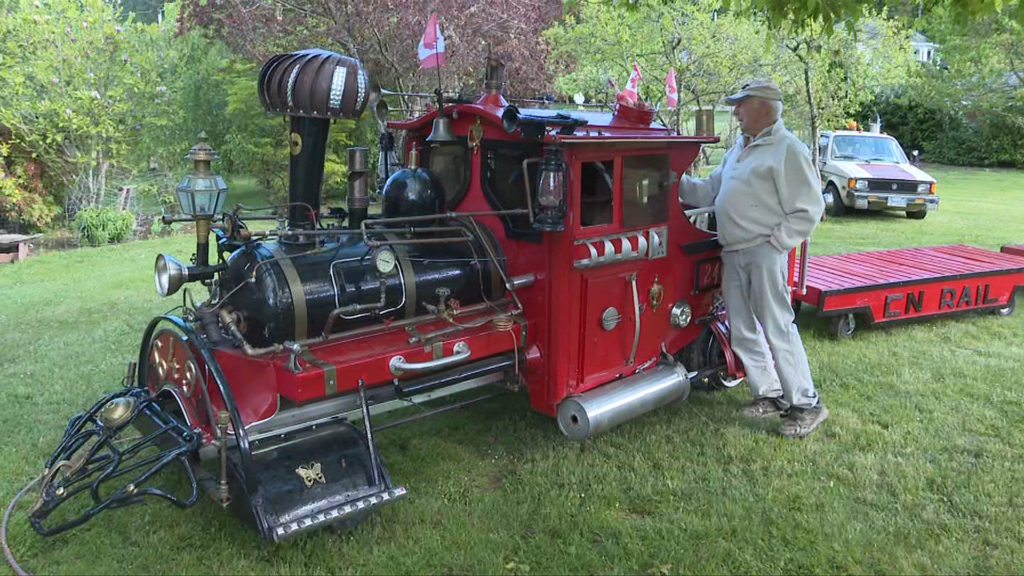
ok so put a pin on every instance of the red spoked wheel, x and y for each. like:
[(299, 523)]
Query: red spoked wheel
[(173, 370)]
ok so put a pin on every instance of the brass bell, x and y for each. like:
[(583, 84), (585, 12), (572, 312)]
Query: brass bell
[(441, 132)]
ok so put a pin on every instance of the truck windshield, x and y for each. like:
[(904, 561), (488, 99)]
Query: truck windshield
[(867, 149)]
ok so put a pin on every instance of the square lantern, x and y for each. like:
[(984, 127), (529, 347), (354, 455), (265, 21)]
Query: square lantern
[(202, 196)]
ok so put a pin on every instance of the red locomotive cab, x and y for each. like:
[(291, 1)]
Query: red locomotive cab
[(621, 280), (517, 248)]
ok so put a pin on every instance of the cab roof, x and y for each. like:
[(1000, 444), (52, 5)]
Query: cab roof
[(596, 126)]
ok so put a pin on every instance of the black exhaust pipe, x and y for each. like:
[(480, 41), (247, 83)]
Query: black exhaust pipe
[(306, 171)]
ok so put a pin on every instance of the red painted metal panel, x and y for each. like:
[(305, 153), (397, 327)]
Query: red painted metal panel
[(257, 382), (605, 352), (253, 383)]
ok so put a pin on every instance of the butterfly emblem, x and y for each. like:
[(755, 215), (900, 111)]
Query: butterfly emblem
[(311, 474)]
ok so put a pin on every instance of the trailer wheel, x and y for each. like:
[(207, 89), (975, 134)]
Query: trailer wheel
[(833, 201), (1010, 305), (843, 326), (917, 214)]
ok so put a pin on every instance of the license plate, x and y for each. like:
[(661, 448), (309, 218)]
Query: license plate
[(897, 201)]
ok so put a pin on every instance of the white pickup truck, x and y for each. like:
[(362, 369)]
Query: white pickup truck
[(869, 171)]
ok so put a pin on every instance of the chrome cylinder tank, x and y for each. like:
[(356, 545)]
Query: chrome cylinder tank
[(597, 410)]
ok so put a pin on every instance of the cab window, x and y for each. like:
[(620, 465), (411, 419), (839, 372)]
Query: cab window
[(597, 197), (504, 182), (645, 184), (450, 164)]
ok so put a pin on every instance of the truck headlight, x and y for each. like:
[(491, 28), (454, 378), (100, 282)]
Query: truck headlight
[(857, 184), (923, 188)]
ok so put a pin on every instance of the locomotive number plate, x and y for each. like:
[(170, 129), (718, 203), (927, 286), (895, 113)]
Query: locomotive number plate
[(709, 274)]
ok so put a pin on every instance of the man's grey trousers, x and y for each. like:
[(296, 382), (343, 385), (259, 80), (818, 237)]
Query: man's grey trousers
[(755, 290)]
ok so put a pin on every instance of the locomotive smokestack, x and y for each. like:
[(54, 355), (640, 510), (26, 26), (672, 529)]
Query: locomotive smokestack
[(311, 86), (494, 75), (308, 139), (494, 83)]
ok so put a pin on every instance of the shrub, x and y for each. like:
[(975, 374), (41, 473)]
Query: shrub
[(97, 226), (23, 196), (965, 134)]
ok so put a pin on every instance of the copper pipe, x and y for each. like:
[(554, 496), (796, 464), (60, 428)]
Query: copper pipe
[(445, 240), (456, 327), (228, 320), (365, 330)]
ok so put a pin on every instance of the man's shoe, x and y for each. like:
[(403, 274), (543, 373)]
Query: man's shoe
[(802, 421), (763, 408)]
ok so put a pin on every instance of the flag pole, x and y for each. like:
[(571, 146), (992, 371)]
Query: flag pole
[(437, 65)]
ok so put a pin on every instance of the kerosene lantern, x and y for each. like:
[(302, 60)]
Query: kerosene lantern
[(551, 192)]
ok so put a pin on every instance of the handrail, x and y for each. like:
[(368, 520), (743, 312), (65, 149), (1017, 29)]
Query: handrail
[(399, 366)]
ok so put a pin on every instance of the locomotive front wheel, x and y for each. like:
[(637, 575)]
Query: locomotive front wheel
[(843, 326), (172, 369)]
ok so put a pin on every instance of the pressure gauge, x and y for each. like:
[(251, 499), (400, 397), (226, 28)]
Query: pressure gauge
[(385, 260)]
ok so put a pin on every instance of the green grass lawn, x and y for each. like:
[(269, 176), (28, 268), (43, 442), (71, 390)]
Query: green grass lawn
[(918, 470)]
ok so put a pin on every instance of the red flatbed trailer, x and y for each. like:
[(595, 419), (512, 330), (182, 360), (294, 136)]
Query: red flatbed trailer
[(887, 286)]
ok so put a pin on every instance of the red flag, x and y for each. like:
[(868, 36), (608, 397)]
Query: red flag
[(431, 48), (631, 93), (671, 93)]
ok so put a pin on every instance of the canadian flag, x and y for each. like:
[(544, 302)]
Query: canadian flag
[(431, 48), (671, 93), (630, 93)]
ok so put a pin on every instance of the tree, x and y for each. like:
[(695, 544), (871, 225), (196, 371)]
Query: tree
[(383, 34), (829, 13), (968, 108), (710, 50), (76, 89), (832, 75), (983, 55)]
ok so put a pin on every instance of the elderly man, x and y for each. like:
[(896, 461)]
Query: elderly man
[(767, 199)]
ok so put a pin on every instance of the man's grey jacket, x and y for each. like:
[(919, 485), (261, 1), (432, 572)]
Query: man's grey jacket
[(766, 190)]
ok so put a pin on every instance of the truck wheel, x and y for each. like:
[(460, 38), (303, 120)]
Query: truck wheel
[(917, 214), (833, 202), (843, 326)]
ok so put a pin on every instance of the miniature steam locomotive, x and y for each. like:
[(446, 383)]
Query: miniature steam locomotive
[(539, 249)]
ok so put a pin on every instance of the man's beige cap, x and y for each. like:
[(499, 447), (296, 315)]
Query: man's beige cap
[(760, 88)]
